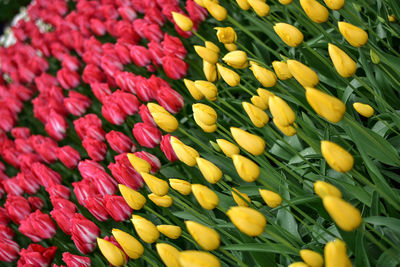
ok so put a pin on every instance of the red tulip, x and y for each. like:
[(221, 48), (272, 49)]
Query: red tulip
[(127, 13), (21, 132), (123, 53), (166, 147), (118, 209), (45, 175), (38, 226), (95, 149), (68, 79), (28, 182), (83, 189), (97, 27), (76, 103), (126, 101), (58, 191), (36, 255), (63, 218), (84, 233), (45, 147), (143, 90), (119, 142), (112, 112), (173, 46), (68, 156), (150, 158), (104, 183), (11, 186), (36, 203), (96, 207), (147, 135), (156, 53), (63, 204), (56, 125), (6, 232), (174, 67), (45, 81), (9, 250), (70, 62), (146, 116), (17, 208), (7, 119), (196, 13), (124, 173), (89, 126), (126, 81), (139, 55), (23, 145), (4, 219), (75, 261), (171, 100)]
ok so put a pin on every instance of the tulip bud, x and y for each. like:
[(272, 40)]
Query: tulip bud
[(286, 130), (315, 11), (131, 246), (259, 102), (282, 70), (257, 116), (247, 220), (335, 5), (266, 77), (228, 75), (156, 185), (374, 56), (191, 258), (230, 47), (163, 118), (194, 92), (207, 54), (289, 34), (212, 46), (298, 264), (246, 168), (133, 198), (323, 189), (226, 35), (185, 153), (183, 22), (285, 2), (206, 237), (205, 196), (146, 230), (327, 106), (210, 71), (271, 198), (337, 158), (303, 74), (343, 213), (217, 11), (200, 3), (243, 4), (392, 18), (164, 201), (260, 7), (209, 170), (312, 258), (227, 147), (241, 199), (281, 111), (250, 142), (363, 109), (265, 95), (344, 64), (182, 186), (171, 231), (335, 254), (354, 35), (204, 114), (236, 59), (140, 165), (209, 90), (168, 254), (112, 253)]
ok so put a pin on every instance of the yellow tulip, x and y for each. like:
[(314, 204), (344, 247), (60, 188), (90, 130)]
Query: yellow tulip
[(132, 247), (209, 170), (315, 11), (205, 196), (200, 2), (343, 213), (163, 118), (210, 71), (247, 220), (207, 238), (111, 252), (249, 142), (194, 92), (156, 185), (171, 231), (145, 229), (337, 158), (185, 153), (194, 258), (204, 113), (282, 113), (266, 77), (335, 5), (392, 18), (259, 102), (363, 109), (230, 47), (228, 75), (207, 128), (227, 147), (303, 74), (270, 198), (265, 95), (335, 254), (226, 35), (133, 198), (285, 2), (257, 116), (323, 189), (312, 258), (236, 59), (212, 46), (243, 4), (168, 254), (344, 64), (217, 11), (354, 35), (207, 54), (246, 168), (241, 199), (260, 7), (183, 22), (164, 201), (286, 130), (139, 164), (289, 34), (298, 264), (282, 70), (182, 186), (327, 106), (209, 90)]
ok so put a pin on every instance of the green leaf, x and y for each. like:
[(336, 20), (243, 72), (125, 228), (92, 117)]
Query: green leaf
[(391, 223), (361, 257), (261, 247), (386, 259)]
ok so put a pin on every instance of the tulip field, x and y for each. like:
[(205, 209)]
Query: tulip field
[(201, 133)]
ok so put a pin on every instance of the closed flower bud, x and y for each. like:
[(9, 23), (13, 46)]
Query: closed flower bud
[(285, 2), (205, 196), (209, 170), (209, 90), (194, 92), (171, 231), (363, 109), (312, 258), (185, 153), (217, 11), (289, 34), (163, 118), (335, 254), (227, 147), (281, 111), (183, 22), (156, 185), (298, 264), (204, 113), (241, 199), (140, 165), (266, 77), (243, 4), (374, 56), (164, 201), (131, 246), (247, 220), (392, 18), (168, 254), (270, 198), (207, 128), (282, 70), (230, 47), (343, 213), (206, 237), (249, 142), (323, 189), (257, 116), (259, 102), (228, 75), (194, 258), (146, 230), (327, 106), (337, 158), (111, 252), (286, 130), (210, 71), (134, 199), (265, 95), (182, 186), (335, 5), (226, 35), (246, 168), (354, 35), (236, 59), (315, 11), (344, 64), (207, 54), (260, 7), (212, 46), (303, 74)]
